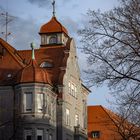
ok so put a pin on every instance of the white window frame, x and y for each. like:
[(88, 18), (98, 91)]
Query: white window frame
[(40, 102), (72, 89)]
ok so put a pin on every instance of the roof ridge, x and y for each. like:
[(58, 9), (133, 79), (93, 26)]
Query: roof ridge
[(109, 114), (59, 23)]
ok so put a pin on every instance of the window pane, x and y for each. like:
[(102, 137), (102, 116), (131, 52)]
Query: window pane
[(40, 102), (39, 137), (53, 40), (28, 101), (76, 120), (95, 134), (67, 117), (46, 64), (28, 138)]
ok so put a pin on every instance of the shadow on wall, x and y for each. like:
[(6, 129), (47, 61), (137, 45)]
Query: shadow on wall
[(39, 129)]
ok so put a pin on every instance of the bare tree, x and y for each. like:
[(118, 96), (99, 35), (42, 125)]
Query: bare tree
[(111, 41), (123, 124)]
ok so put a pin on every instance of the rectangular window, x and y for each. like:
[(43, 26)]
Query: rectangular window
[(28, 134), (39, 134), (40, 102), (76, 120), (28, 101), (67, 116), (95, 134)]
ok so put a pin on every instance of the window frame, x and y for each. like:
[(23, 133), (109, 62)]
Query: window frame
[(27, 132), (46, 64), (53, 39), (39, 133), (67, 117), (40, 103), (72, 89), (95, 134), (28, 102), (76, 119)]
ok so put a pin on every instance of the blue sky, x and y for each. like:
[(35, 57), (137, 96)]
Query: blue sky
[(29, 15)]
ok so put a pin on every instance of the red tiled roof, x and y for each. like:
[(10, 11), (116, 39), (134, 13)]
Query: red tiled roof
[(100, 119), (32, 73), (10, 63), (17, 62), (110, 125), (12, 51), (53, 26), (54, 54)]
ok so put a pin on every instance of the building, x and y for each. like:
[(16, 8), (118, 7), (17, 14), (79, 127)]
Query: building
[(101, 125), (104, 124), (41, 94)]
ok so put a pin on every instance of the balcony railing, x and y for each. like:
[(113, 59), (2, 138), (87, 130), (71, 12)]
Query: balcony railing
[(79, 130)]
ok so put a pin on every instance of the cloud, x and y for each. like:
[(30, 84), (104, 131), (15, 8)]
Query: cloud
[(47, 3), (41, 3), (71, 25), (23, 32)]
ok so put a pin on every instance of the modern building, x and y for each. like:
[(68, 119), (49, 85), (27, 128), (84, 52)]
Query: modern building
[(41, 94)]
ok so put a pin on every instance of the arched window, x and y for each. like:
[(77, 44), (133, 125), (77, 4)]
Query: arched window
[(53, 39), (46, 64)]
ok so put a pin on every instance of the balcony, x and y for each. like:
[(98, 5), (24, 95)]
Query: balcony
[(80, 133)]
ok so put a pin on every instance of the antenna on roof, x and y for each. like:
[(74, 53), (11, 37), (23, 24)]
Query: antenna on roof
[(53, 4), (7, 20)]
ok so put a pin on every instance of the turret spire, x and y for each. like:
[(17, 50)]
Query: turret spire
[(53, 4), (33, 53)]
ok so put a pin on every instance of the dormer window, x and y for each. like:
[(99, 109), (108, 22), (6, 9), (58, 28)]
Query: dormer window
[(53, 39), (95, 134), (46, 64)]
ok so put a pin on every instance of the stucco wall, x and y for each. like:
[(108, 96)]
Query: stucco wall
[(73, 102)]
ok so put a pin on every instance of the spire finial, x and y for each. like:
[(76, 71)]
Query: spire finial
[(53, 4), (33, 53)]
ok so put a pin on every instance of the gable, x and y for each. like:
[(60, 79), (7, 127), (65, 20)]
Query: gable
[(10, 63)]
